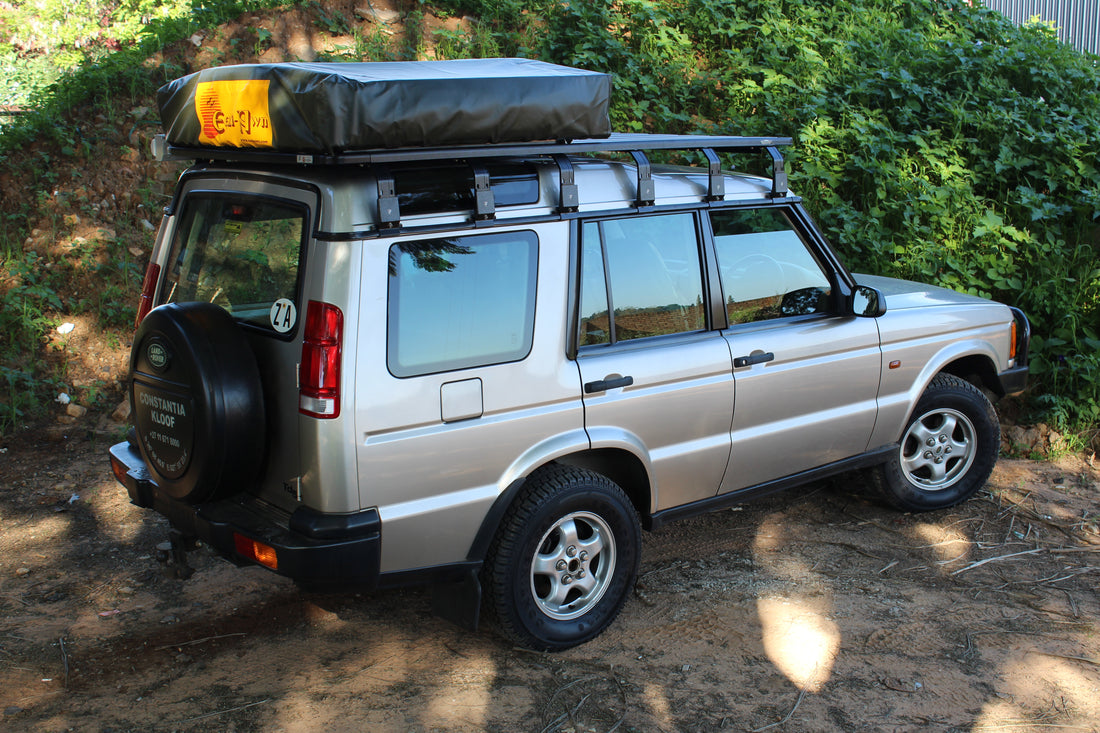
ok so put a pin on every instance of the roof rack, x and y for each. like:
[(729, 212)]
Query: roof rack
[(636, 144)]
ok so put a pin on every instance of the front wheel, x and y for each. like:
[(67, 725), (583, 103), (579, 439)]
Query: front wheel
[(564, 559), (947, 450)]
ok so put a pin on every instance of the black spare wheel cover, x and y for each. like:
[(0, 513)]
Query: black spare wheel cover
[(198, 402)]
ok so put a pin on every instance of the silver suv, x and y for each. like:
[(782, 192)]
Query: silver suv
[(489, 365)]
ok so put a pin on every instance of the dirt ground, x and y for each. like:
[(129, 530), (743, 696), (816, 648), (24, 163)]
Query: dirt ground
[(816, 610)]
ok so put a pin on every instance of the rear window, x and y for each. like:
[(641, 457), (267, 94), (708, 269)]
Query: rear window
[(241, 253)]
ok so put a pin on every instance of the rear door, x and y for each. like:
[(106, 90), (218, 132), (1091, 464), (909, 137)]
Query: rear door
[(807, 377), (655, 380), (241, 245)]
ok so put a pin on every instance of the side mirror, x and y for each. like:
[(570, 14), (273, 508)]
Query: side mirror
[(867, 302)]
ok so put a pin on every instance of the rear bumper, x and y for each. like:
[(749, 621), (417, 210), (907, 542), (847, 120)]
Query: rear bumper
[(313, 548)]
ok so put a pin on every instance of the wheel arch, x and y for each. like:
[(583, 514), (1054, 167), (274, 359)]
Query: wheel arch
[(618, 465), (979, 370)]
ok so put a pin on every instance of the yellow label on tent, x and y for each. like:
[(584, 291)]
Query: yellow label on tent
[(234, 113)]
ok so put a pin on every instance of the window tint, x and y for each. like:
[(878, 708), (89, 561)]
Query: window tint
[(652, 278), (461, 302), (237, 252), (766, 269)]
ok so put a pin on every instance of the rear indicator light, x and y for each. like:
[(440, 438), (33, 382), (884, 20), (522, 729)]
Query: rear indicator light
[(319, 376), (255, 550), (118, 468), (148, 290)]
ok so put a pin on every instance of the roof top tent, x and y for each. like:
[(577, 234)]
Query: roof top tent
[(393, 112)]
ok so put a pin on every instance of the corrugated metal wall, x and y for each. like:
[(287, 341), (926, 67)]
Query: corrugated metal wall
[(1077, 21)]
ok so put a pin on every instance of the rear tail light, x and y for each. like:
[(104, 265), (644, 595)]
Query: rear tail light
[(148, 290), (1012, 341), (319, 377)]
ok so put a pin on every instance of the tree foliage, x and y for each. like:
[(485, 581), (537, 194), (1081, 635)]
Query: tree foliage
[(934, 140)]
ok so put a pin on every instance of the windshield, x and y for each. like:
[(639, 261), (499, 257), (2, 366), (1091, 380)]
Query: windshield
[(241, 253)]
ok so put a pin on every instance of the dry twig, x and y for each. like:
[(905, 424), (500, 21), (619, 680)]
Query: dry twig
[(797, 702), (223, 712), (979, 563)]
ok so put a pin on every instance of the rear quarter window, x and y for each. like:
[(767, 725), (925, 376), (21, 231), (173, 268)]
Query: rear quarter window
[(461, 302)]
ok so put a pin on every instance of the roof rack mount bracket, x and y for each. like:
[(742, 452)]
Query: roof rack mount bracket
[(483, 192), (568, 195), (716, 185), (779, 174), (646, 195), (389, 211)]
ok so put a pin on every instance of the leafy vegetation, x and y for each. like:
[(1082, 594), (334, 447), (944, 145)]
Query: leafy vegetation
[(934, 140)]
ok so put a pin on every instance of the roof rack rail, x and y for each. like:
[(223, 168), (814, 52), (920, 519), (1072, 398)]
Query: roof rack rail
[(633, 143)]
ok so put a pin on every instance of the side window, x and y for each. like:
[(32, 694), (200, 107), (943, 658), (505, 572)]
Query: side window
[(640, 277), (766, 269), (461, 302)]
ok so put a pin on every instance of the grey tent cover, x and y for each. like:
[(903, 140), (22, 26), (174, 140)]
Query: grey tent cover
[(341, 107)]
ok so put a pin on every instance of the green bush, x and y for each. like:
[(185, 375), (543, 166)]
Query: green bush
[(934, 140)]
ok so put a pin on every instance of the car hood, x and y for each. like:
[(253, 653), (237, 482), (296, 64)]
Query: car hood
[(902, 294)]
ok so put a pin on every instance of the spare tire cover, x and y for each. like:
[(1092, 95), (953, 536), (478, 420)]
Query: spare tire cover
[(197, 402)]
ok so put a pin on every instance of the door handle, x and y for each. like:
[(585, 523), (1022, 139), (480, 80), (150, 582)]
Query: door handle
[(744, 361), (602, 385)]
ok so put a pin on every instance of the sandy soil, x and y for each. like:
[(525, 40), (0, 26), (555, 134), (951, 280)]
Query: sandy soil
[(818, 610)]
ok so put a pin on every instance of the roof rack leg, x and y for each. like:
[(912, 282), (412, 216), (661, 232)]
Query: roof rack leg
[(483, 192), (568, 196), (716, 185), (389, 211), (779, 174), (645, 179)]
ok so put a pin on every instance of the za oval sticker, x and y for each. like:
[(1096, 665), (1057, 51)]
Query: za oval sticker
[(283, 315), (158, 355)]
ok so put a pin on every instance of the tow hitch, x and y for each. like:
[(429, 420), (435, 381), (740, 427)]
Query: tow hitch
[(173, 554)]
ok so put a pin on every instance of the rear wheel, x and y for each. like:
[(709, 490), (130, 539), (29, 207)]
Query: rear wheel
[(564, 559), (947, 451)]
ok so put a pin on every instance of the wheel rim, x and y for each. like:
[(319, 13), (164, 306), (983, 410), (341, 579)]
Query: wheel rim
[(938, 449), (573, 565)]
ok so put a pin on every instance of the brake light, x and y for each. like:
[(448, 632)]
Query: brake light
[(258, 551), (319, 375), (148, 290), (1012, 341)]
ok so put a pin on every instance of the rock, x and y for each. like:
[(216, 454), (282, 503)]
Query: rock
[(379, 15), (23, 571), (57, 433), (76, 411), (66, 420), (122, 412)]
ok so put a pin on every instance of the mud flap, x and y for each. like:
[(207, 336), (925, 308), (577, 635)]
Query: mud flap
[(459, 602)]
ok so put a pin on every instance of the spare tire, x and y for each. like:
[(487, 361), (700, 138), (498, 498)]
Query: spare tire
[(197, 402)]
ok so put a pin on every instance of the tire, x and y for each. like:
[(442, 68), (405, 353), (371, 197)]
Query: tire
[(563, 561), (947, 450), (197, 401)]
